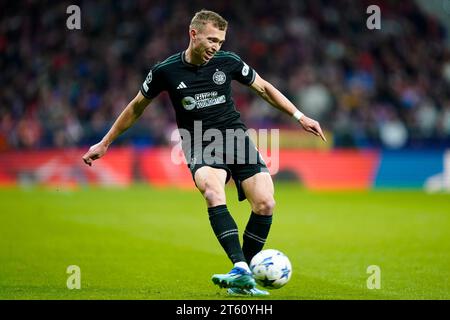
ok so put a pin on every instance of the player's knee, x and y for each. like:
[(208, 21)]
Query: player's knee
[(213, 196), (264, 206)]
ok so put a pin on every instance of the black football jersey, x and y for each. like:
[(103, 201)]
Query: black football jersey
[(200, 93)]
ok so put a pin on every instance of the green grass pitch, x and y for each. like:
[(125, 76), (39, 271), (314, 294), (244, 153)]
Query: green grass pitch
[(147, 243)]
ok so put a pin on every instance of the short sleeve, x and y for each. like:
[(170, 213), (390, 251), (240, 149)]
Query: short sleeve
[(153, 84), (242, 72)]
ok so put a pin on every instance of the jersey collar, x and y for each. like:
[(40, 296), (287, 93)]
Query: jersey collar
[(183, 59)]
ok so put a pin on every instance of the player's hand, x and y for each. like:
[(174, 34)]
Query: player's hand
[(95, 152), (312, 126)]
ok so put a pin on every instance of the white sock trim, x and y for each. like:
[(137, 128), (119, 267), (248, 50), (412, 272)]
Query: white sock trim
[(243, 265)]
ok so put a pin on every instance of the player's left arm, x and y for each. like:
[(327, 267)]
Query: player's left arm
[(273, 96)]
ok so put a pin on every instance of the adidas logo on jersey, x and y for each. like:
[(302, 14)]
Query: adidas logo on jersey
[(182, 85)]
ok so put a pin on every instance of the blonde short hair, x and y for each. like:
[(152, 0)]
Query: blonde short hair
[(202, 17)]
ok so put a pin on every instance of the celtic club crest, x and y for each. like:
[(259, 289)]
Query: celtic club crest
[(219, 77)]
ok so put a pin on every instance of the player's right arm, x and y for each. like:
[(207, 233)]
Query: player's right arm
[(125, 120)]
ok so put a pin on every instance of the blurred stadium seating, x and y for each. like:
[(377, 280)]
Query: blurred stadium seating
[(382, 89), (63, 88)]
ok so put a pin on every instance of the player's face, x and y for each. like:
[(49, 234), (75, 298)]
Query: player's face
[(207, 41)]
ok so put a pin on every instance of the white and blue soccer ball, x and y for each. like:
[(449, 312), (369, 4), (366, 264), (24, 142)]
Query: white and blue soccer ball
[(271, 268)]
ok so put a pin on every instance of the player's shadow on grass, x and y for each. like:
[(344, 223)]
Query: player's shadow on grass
[(222, 295)]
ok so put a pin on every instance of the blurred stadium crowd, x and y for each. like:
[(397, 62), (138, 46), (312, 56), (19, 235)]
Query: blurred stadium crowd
[(370, 88)]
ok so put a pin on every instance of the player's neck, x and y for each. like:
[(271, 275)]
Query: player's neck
[(190, 57)]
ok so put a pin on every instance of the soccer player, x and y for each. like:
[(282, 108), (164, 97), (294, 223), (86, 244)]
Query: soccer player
[(198, 81)]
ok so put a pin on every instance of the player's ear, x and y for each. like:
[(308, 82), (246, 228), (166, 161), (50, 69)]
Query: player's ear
[(193, 33)]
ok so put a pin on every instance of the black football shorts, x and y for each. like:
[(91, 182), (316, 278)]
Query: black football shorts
[(237, 155)]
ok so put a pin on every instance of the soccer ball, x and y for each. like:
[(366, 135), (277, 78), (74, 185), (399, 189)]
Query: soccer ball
[(271, 268)]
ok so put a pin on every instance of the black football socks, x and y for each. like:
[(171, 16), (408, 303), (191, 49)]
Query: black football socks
[(255, 235), (226, 232)]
